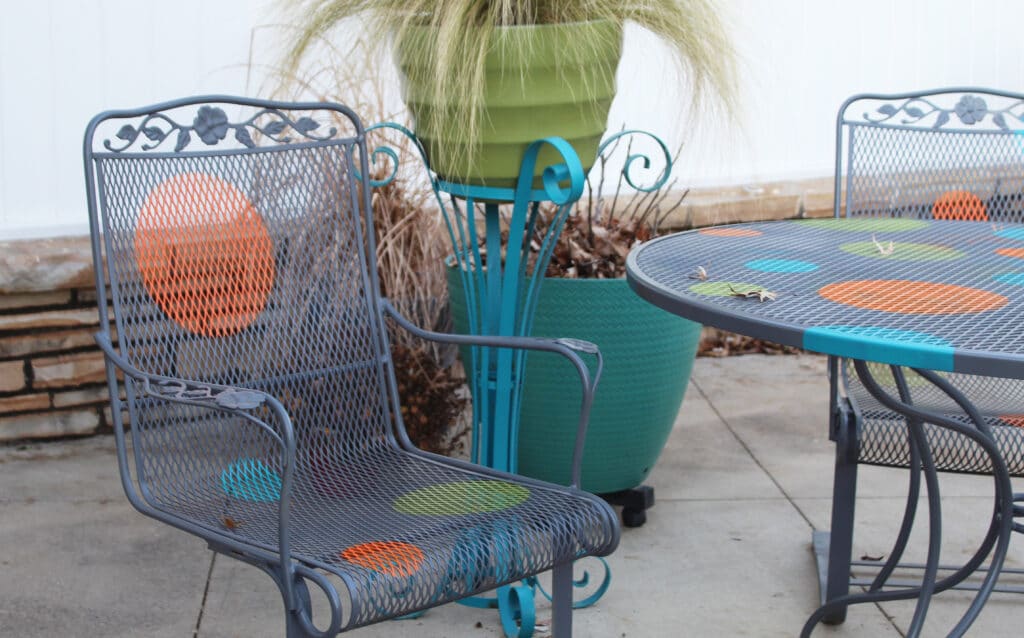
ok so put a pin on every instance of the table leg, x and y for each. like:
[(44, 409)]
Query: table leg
[(996, 540)]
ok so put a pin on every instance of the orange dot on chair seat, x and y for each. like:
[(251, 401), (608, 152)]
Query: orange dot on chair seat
[(1011, 252), (730, 232), (204, 254), (912, 297), (959, 206), (393, 558)]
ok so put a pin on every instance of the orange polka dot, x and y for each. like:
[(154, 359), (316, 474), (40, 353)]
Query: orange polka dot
[(731, 232), (393, 558), (1011, 252), (204, 254), (960, 206), (912, 297), (1016, 420)]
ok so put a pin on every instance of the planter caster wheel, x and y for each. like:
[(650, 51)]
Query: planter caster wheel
[(633, 518), (635, 502)]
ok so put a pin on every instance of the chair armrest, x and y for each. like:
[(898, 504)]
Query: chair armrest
[(213, 396), (566, 347), (236, 401)]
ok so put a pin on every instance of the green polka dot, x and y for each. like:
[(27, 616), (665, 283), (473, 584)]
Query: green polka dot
[(723, 288), (463, 497), (902, 251), (867, 224)]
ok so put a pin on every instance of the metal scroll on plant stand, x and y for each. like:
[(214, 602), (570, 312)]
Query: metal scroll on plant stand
[(501, 299)]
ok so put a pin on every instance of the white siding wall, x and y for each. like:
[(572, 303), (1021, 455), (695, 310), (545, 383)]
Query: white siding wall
[(61, 61)]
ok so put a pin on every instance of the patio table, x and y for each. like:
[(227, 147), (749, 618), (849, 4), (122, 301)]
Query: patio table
[(923, 294)]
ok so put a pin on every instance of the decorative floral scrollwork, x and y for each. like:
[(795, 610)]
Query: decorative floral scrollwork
[(211, 125), (970, 110), (229, 398)]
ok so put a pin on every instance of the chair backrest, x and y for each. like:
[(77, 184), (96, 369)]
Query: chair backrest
[(237, 239), (943, 154)]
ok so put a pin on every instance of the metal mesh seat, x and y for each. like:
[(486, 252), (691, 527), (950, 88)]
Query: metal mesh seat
[(882, 434), (238, 243), (954, 154)]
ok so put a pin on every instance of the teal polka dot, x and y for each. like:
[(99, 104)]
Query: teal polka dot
[(251, 480), (1012, 278), (781, 265), (1012, 233)]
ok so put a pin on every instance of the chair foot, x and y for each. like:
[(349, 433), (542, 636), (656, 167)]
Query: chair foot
[(635, 502), (822, 545)]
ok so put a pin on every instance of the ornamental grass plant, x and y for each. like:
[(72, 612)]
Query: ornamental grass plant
[(461, 34), (410, 243)]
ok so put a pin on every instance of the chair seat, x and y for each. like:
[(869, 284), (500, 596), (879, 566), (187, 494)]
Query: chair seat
[(405, 531), (883, 441)]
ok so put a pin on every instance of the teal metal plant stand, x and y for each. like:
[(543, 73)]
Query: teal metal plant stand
[(500, 279)]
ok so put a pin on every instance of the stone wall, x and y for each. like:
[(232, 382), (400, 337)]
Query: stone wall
[(52, 379)]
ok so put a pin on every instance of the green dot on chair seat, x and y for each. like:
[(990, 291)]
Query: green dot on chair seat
[(462, 497)]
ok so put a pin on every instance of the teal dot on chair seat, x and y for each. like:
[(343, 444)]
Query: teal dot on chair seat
[(462, 497), (1011, 233), (251, 480), (781, 265), (1012, 278)]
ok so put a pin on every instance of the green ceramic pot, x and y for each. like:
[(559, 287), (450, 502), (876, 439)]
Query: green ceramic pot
[(648, 355), (531, 92)]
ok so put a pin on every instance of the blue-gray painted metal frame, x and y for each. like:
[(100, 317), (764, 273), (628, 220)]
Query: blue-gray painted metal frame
[(283, 551), (860, 440), (899, 155)]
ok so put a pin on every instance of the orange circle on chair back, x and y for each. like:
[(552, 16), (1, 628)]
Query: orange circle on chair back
[(393, 558), (204, 254), (959, 206), (730, 232), (912, 297)]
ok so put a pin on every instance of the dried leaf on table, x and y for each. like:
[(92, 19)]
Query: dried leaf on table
[(883, 249), (761, 294)]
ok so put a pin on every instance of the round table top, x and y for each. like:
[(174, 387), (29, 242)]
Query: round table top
[(944, 295)]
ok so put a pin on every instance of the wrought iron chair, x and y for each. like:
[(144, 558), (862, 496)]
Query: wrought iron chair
[(954, 154), (256, 376)]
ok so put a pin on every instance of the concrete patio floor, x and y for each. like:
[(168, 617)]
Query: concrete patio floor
[(725, 552)]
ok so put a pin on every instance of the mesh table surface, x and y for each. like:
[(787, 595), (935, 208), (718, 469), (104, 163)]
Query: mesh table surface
[(944, 295)]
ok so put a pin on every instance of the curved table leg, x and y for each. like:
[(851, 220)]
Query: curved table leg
[(996, 540)]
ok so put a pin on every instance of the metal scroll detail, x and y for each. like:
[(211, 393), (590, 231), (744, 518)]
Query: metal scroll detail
[(500, 297), (996, 540), (211, 125), (970, 110)]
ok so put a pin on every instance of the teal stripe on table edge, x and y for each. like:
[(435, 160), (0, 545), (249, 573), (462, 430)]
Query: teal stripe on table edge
[(914, 349)]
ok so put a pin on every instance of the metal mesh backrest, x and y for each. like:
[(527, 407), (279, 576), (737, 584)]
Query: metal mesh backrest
[(244, 263), (954, 154)]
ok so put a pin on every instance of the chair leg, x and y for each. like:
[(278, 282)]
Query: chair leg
[(561, 601), (844, 493), (293, 628)]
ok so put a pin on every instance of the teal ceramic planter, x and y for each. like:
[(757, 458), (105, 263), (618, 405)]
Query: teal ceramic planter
[(648, 355)]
